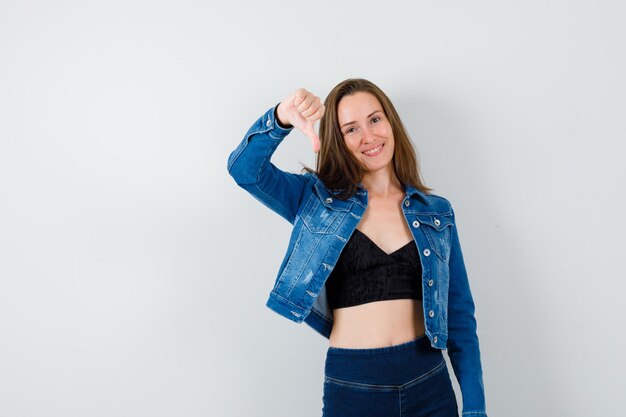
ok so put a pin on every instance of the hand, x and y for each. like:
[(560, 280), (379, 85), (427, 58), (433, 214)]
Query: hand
[(302, 109)]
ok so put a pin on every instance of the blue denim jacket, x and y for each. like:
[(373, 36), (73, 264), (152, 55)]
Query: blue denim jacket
[(322, 226)]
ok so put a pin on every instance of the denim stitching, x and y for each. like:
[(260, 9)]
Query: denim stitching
[(332, 219), (361, 385), (304, 262), (329, 379), (432, 239), (428, 374)]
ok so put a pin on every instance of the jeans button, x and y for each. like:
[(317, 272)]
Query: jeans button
[(437, 222), (407, 202), (426, 252), (431, 313), (430, 282), (416, 223), (435, 339)]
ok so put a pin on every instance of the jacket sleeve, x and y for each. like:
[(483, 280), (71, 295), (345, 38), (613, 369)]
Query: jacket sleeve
[(463, 347), (250, 166)]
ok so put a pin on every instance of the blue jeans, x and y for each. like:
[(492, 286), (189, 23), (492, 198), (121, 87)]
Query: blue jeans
[(406, 380)]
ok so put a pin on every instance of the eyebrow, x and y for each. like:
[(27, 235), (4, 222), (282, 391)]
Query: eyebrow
[(368, 116)]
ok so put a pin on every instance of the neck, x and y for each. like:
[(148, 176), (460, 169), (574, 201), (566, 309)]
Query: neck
[(382, 182)]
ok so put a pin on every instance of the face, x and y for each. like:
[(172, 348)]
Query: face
[(365, 127)]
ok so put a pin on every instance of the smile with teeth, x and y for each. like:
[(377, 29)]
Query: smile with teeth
[(375, 151)]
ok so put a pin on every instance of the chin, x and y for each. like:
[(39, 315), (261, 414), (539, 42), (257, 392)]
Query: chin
[(376, 167)]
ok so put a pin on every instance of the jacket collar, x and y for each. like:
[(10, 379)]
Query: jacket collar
[(410, 191)]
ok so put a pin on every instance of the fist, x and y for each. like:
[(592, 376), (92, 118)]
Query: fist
[(302, 109)]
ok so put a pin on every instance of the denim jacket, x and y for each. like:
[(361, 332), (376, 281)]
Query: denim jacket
[(322, 226)]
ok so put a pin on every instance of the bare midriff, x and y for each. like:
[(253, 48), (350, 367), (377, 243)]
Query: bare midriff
[(377, 324), (386, 322)]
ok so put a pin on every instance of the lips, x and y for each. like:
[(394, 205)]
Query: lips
[(376, 152)]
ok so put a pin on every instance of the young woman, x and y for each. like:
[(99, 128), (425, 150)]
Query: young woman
[(374, 262)]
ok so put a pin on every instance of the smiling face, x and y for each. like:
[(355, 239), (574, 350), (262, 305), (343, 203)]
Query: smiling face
[(366, 130)]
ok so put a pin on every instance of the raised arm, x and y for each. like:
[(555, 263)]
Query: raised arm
[(250, 162)]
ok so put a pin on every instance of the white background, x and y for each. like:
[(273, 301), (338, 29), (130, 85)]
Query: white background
[(134, 272)]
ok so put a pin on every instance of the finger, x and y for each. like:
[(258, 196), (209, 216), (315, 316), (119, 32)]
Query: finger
[(316, 144), (315, 141), (306, 103), (299, 96), (312, 108), (310, 132), (318, 114)]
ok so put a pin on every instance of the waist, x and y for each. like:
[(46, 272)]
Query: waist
[(377, 324), (397, 364)]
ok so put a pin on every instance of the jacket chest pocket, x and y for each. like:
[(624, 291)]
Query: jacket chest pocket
[(438, 231), (319, 217)]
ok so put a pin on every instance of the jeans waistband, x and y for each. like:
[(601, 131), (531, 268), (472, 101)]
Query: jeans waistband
[(394, 364)]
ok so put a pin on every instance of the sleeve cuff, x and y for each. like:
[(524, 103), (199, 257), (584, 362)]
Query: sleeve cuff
[(278, 123)]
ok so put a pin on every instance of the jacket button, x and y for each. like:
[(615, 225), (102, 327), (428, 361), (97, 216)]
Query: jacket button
[(329, 200), (268, 123), (426, 252), (437, 222), (435, 339), (431, 313), (416, 223), (407, 202), (430, 282)]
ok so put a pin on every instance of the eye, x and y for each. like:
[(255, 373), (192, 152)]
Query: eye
[(349, 130), (375, 119)]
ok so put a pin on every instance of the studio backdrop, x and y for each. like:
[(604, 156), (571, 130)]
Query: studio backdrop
[(134, 271)]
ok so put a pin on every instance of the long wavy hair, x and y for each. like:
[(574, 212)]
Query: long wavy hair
[(337, 167)]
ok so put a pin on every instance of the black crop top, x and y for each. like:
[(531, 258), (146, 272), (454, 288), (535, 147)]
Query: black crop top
[(365, 273)]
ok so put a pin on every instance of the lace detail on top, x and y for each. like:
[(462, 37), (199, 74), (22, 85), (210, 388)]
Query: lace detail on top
[(365, 273)]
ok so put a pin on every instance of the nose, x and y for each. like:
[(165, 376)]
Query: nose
[(368, 134)]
